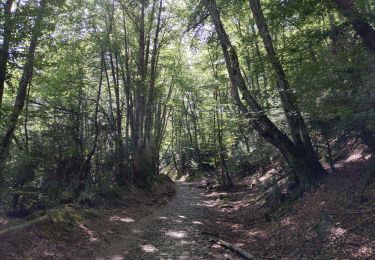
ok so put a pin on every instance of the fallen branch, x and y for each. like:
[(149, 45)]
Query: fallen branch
[(234, 248), (24, 225)]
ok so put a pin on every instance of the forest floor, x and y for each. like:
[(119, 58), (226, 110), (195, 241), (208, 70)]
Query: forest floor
[(150, 226), (334, 222)]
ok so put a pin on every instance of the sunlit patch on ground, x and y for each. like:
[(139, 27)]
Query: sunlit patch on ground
[(364, 251), (357, 155), (240, 245), (3, 221), (184, 242), (268, 175), (290, 223), (136, 231), (234, 206), (209, 203), (216, 194), (149, 248), (176, 234), (337, 232), (237, 227), (257, 233), (89, 232), (217, 246), (121, 219)]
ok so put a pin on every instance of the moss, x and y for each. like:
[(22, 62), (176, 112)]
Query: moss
[(65, 216)]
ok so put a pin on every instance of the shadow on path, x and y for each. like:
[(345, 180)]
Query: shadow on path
[(171, 232)]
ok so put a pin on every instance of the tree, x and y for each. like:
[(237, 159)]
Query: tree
[(298, 154), (358, 21), (23, 84), (4, 53)]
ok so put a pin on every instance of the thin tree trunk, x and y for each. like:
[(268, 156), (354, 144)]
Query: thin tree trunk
[(219, 118), (27, 120), (85, 167)]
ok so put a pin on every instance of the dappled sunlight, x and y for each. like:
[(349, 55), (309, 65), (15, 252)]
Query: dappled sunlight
[(364, 251), (240, 245), (176, 234), (184, 257), (136, 231), (258, 233), (290, 223), (121, 219), (234, 206), (216, 246), (357, 155), (216, 194), (90, 233), (149, 248), (209, 203), (185, 242), (237, 227), (3, 221), (337, 232), (267, 175)]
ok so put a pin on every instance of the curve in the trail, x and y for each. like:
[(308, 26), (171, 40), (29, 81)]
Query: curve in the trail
[(172, 232)]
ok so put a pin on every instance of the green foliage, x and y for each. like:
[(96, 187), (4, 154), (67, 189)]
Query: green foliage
[(67, 145)]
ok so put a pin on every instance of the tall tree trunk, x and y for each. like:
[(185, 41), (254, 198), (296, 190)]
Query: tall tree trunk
[(306, 168), (149, 121), (140, 162), (4, 52), (359, 23), (86, 165), (22, 88), (219, 118), (293, 114)]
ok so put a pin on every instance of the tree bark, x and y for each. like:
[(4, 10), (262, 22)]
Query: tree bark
[(306, 167), (296, 122), (359, 23), (22, 88), (150, 147), (4, 52)]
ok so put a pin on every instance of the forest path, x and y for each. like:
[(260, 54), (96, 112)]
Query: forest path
[(171, 232)]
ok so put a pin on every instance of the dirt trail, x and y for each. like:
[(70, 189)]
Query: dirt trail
[(171, 232)]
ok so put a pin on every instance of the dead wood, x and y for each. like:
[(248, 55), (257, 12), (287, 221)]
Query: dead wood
[(234, 248)]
